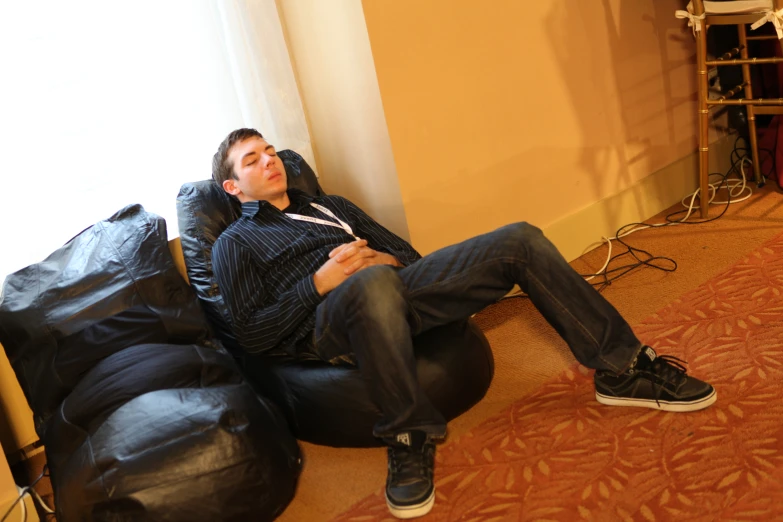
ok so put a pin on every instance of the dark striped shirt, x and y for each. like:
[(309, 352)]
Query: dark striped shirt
[(264, 264)]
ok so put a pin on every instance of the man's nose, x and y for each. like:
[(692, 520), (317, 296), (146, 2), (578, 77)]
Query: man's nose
[(268, 160)]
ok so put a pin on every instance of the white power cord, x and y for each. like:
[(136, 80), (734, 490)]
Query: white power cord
[(28, 490), (41, 502), (22, 492), (19, 500)]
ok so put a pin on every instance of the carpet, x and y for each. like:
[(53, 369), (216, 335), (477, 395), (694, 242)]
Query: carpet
[(558, 455)]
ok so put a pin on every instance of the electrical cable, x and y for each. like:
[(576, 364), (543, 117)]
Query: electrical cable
[(773, 166), (737, 191), (37, 497), (735, 194), (22, 492), (646, 259), (41, 502), (23, 511)]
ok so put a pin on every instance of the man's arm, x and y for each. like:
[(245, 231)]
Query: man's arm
[(258, 325), (378, 236)]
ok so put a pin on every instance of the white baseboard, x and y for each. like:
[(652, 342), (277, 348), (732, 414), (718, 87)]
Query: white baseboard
[(581, 231)]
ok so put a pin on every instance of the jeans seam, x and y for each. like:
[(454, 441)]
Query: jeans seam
[(582, 327), (348, 357), (412, 295), (323, 335), (416, 318), (319, 340), (585, 332), (464, 273)]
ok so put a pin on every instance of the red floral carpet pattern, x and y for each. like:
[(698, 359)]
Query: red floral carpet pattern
[(558, 455)]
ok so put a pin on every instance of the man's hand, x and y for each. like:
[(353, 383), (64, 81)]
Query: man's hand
[(357, 255), (348, 250), (346, 260), (329, 276)]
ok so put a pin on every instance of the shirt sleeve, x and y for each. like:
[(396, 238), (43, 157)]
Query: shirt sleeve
[(258, 324), (378, 236)]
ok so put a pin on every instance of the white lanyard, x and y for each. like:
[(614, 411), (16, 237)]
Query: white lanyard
[(340, 223)]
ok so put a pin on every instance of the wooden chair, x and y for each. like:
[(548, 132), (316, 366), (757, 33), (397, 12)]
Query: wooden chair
[(701, 14)]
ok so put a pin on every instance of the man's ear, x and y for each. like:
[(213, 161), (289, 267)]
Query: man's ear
[(231, 187)]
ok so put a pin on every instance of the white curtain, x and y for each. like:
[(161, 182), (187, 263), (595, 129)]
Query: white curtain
[(104, 104)]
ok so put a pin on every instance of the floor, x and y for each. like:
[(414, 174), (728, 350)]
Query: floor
[(528, 352)]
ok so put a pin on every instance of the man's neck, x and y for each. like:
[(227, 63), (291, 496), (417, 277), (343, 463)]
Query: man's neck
[(281, 202)]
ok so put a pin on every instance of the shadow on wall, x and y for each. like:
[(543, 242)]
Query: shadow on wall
[(643, 109)]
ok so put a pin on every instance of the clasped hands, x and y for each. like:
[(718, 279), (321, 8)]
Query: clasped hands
[(346, 260)]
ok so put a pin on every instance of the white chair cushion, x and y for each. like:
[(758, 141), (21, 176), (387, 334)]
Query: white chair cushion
[(764, 8), (735, 7)]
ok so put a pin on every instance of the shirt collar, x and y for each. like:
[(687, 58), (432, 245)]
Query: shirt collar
[(297, 197)]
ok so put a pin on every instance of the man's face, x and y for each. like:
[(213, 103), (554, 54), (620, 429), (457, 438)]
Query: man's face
[(260, 172)]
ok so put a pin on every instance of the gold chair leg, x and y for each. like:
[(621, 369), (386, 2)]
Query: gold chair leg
[(754, 146), (704, 121)]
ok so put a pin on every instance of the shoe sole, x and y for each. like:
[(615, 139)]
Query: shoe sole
[(417, 510), (675, 406)]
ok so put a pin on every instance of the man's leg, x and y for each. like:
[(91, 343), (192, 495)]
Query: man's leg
[(375, 313), (367, 318), (462, 279)]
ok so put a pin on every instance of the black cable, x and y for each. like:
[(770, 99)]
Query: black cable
[(773, 167), (746, 150), (666, 264), (663, 263), (24, 492), (724, 180), (650, 260)]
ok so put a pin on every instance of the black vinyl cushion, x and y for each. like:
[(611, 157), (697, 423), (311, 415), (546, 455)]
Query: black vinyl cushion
[(330, 405), (325, 404), (170, 432), (143, 415), (112, 286), (214, 454)]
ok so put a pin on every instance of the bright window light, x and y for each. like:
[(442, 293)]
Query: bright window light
[(104, 104)]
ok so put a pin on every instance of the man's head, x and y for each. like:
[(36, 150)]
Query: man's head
[(248, 168)]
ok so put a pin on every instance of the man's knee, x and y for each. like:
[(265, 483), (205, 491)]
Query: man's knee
[(521, 236), (522, 232), (376, 284)]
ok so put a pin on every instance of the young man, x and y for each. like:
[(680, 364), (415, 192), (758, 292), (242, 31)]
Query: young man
[(317, 277)]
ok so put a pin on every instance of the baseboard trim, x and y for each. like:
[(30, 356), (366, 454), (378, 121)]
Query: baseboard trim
[(581, 231)]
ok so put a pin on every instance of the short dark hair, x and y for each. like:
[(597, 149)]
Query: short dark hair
[(222, 168)]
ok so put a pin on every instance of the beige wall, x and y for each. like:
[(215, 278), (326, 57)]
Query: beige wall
[(512, 110), (574, 115), (330, 50)]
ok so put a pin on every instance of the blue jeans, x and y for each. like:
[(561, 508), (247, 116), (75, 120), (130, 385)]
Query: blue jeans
[(372, 316)]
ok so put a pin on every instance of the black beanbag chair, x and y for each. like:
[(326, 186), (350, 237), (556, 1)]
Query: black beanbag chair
[(111, 287), (143, 416), (324, 404)]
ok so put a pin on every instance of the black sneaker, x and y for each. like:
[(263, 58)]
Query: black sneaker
[(410, 491), (654, 381)]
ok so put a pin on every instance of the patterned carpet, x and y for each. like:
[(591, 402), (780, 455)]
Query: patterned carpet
[(557, 455)]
